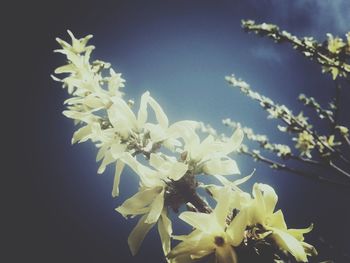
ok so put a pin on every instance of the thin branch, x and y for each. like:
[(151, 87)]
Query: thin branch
[(281, 166), (336, 103), (306, 160), (313, 52), (337, 168)]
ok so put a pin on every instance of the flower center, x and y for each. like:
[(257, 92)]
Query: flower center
[(219, 241)]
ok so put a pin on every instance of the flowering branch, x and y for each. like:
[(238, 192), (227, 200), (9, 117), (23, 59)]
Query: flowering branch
[(333, 55), (239, 226)]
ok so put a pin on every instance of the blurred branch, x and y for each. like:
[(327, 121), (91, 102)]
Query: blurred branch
[(308, 46), (280, 166)]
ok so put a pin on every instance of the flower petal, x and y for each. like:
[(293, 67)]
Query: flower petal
[(156, 161), (139, 203), (118, 171), (299, 233), (147, 176), (234, 142), (201, 221), (156, 207), (108, 159), (165, 231), (176, 171), (277, 220), (117, 150), (222, 208), (290, 244), (142, 113), (160, 115), (270, 197), (138, 234), (82, 134), (225, 254), (221, 167), (237, 227)]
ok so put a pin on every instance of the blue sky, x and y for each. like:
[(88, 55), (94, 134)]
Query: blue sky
[(180, 51)]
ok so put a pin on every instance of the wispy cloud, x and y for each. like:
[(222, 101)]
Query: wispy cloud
[(323, 15), (267, 53), (314, 17)]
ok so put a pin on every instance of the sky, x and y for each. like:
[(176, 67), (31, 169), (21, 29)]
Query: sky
[(59, 209)]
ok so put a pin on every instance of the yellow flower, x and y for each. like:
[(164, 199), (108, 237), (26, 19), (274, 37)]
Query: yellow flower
[(169, 135), (214, 233), (305, 143), (261, 212), (78, 45), (335, 44), (210, 155), (149, 201)]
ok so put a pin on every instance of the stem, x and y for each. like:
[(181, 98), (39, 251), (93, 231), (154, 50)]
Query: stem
[(184, 191), (336, 103), (305, 160), (322, 59), (280, 166), (338, 169), (198, 203), (346, 139)]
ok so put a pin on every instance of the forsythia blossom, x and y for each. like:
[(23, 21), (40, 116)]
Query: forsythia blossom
[(305, 143), (169, 180), (261, 211), (215, 233), (150, 198)]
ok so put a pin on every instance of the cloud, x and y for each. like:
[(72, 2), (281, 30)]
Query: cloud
[(310, 17), (266, 53), (323, 15), (332, 13)]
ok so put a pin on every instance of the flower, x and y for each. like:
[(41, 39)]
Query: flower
[(305, 143), (335, 44), (261, 212), (78, 45), (210, 155), (149, 201), (214, 233)]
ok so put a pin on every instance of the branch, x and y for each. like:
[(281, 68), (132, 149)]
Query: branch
[(308, 46), (284, 167)]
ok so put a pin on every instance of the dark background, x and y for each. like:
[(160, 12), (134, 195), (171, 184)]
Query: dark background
[(56, 208)]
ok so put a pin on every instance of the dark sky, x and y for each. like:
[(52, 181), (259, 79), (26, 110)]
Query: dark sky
[(58, 209)]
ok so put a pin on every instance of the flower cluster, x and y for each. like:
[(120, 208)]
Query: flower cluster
[(308, 141), (167, 158), (314, 147)]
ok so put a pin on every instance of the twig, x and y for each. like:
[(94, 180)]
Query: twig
[(337, 168), (281, 166), (275, 34), (336, 103)]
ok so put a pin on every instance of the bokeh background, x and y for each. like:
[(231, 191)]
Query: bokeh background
[(59, 209)]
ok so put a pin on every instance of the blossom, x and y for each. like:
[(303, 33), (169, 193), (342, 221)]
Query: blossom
[(149, 201), (214, 233), (210, 155), (78, 45), (261, 211), (168, 135), (305, 143), (335, 44)]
